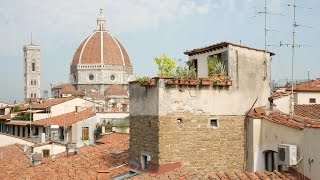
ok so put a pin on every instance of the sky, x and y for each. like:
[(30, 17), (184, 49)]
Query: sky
[(148, 29)]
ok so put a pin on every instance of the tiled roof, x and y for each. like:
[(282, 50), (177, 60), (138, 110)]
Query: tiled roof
[(218, 46), (115, 90), (311, 111), (50, 102), (111, 155), (83, 165), (109, 51), (12, 160), (68, 89), (284, 119), (65, 119), (310, 86), (279, 94), (184, 173)]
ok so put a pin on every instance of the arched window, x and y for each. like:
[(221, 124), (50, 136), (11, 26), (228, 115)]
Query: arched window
[(35, 95), (33, 66), (35, 82), (31, 95), (31, 82)]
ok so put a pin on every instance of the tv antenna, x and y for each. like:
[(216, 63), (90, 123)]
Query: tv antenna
[(266, 12), (293, 46)]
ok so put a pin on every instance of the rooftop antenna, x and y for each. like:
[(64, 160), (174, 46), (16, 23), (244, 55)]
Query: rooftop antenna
[(266, 12), (31, 38), (293, 46)]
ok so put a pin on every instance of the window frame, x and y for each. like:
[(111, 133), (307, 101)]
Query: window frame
[(312, 100)]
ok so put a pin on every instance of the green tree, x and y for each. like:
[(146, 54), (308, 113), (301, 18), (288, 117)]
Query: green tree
[(165, 65)]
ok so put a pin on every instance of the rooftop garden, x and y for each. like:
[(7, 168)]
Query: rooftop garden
[(184, 74)]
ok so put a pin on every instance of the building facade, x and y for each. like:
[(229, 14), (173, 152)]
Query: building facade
[(31, 71), (201, 127)]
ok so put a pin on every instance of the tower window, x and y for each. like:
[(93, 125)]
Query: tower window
[(34, 82), (35, 95), (31, 95), (31, 82), (91, 76), (33, 66)]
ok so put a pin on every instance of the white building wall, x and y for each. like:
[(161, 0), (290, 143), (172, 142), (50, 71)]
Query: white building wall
[(53, 149), (270, 134), (283, 104), (303, 97), (63, 108), (246, 70), (8, 140), (77, 131)]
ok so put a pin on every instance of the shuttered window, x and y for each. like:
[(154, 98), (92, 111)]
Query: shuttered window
[(85, 133)]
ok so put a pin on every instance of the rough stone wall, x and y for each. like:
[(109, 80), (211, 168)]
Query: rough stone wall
[(144, 137), (198, 145), (193, 142)]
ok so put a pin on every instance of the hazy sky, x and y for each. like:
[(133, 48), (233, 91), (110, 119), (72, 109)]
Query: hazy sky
[(148, 28)]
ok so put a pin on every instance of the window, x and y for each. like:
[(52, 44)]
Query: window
[(33, 66), (112, 77), (31, 82), (312, 100), (34, 82), (91, 76), (218, 63), (213, 122), (269, 157), (31, 95), (85, 133), (46, 152), (34, 95)]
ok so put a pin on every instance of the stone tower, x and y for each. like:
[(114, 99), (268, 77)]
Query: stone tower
[(31, 71)]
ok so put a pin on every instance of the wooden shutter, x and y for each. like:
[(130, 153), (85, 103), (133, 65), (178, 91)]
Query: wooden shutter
[(85, 132)]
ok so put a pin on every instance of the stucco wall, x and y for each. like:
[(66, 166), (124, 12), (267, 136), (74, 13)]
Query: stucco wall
[(271, 134), (282, 104), (77, 131), (8, 140), (303, 97), (53, 149), (66, 107)]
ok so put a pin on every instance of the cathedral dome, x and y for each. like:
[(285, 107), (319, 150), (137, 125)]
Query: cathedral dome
[(101, 48)]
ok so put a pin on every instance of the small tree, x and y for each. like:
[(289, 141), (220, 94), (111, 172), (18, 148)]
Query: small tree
[(165, 65)]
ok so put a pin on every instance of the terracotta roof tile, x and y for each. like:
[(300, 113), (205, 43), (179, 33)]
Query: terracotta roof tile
[(13, 159), (50, 102), (89, 51), (115, 90), (68, 89), (83, 165), (285, 119), (93, 158), (65, 119), (311, 111), (309, 86)]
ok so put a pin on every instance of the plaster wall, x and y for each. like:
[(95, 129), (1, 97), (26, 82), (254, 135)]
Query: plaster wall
[(53, 149), (8, 140), (271, 134), (283, 104), (63, 108), (303, 97), (250, 81), (77, 131)]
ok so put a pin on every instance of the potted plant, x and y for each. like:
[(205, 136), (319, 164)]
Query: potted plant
[(206, 81), (193, 78)]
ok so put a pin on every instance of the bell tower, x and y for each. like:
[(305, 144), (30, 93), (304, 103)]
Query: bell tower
[(31, 71)]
